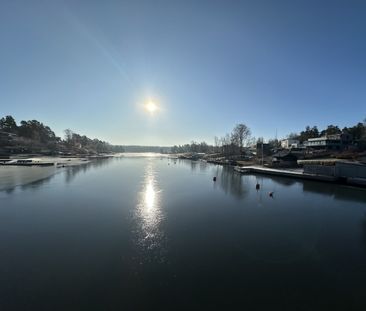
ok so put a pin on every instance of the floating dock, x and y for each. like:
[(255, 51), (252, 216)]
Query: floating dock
[(299, 173), (286, 173)]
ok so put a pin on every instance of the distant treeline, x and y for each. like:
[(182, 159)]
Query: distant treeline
[(233, 143), (193, 147), (138, 149), (34, 137), (230, 144), (358, 132)]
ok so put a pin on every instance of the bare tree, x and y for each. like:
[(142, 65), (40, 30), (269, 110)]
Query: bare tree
[(225, 144), (217, 143), (240, 135), (68, 135), (252, 141)]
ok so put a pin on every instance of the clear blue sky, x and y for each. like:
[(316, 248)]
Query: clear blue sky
[(90, 65)]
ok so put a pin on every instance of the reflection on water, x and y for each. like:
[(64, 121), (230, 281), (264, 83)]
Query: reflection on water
[(228, 180), (31, 185), (202, 166), (72, 171), (13, 176), (363, 226), (336, 191), (239, 185), (149, 214), (36, 184), (35, 177), (233, 183), (155, 234), (284, 181)]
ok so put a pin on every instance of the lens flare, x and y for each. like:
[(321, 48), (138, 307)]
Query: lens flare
[(151, 106)]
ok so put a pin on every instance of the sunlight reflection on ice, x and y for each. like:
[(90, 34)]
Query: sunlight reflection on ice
[(149, 213), (149, 195)]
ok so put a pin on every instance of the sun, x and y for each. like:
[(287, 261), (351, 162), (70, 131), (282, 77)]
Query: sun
[(151, 106)]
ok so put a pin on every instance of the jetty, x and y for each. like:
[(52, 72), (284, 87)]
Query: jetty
[(278, 172), (303, 174)]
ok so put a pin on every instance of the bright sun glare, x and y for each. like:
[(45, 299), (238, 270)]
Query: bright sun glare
[(151, 106)]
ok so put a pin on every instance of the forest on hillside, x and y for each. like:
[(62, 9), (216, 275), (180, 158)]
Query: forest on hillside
[(33, 136)]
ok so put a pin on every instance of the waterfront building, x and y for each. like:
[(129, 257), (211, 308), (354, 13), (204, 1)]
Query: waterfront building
[(330, 142), (289, 143)]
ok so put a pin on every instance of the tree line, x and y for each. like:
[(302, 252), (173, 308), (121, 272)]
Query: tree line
[(193, 147), (358, 132), (240, 137), (34, 136), (230, 144)]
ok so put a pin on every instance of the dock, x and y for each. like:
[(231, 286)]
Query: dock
[(26, 162), (284, 173)]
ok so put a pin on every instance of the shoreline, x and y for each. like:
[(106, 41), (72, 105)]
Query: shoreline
[(249, 167), (299, 174), (18, 175), (13, 175), (58, 161)]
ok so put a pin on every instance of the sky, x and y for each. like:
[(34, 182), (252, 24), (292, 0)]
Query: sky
[(275, 66)]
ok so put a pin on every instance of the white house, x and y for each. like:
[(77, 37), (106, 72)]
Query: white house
[(335, 142), (289, 143)]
